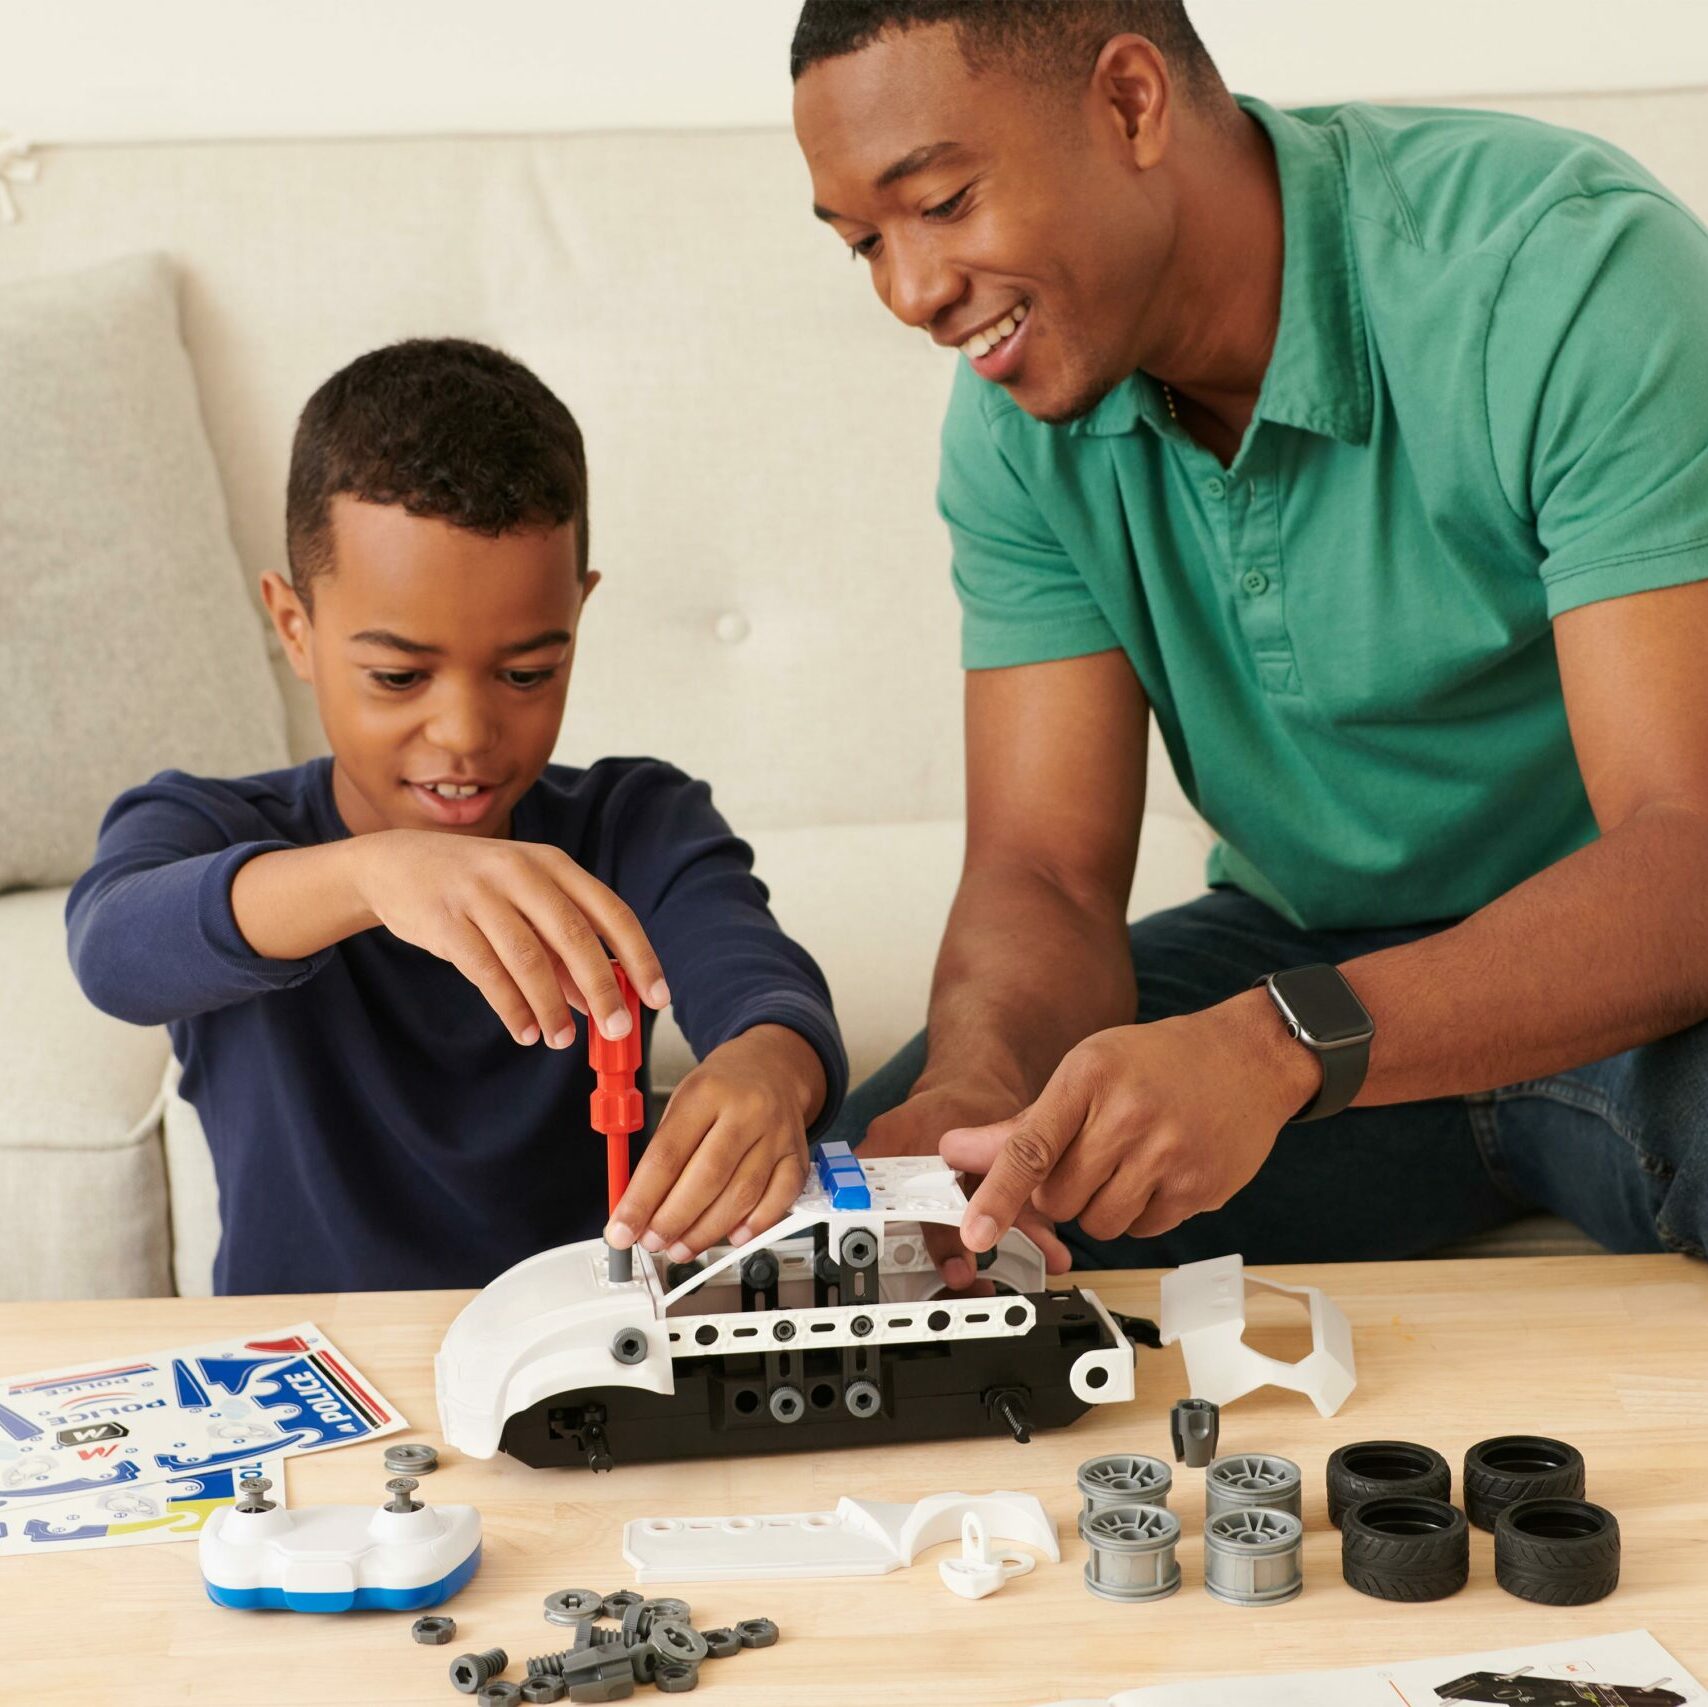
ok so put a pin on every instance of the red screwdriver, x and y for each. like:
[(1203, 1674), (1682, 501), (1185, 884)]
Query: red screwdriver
[(617, 1109)]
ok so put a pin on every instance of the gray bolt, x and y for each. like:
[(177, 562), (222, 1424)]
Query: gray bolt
[(787, 1405), (619, 1265), (862, 1398), (858, 1248), (254, 1495), (433, 1631), (783, 1330), (400, 1488), (628, 1345), (470, 1671)]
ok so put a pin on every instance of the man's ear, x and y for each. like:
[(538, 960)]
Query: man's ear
[(1131, 81), (588, 582), (291, 622)]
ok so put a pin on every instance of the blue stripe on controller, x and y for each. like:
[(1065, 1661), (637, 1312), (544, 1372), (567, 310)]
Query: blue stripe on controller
[(362, 1599)]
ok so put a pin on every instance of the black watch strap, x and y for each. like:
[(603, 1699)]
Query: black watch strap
[(1344, 1067)]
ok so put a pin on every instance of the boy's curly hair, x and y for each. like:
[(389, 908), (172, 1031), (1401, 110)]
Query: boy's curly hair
[(441, 427)]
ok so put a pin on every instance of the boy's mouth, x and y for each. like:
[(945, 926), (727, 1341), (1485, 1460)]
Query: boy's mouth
[(450, 802)]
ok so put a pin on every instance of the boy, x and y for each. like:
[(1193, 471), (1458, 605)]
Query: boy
[(368, 963)]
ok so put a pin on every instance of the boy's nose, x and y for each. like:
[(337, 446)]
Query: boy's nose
[(463, 728)]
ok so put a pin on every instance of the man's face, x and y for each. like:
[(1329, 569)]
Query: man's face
[(439, 659), (981, 203)]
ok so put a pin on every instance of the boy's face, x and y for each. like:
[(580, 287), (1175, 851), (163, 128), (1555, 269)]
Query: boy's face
[(439, 661)]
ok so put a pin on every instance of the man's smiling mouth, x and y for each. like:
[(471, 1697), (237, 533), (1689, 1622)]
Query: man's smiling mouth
[(983, 341)]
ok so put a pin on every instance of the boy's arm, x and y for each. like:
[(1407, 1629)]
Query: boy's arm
[(150, 928), (730, 1153)]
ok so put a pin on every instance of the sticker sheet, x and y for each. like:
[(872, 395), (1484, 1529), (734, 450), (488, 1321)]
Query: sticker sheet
[(145, 1440)]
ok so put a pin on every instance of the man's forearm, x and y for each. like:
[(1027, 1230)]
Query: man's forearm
[(1025, 971), (1605, 950), (293, 902)]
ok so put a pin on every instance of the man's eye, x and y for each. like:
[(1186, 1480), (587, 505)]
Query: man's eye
[(863, 248), (948, 209), (396, 680), (529, 678)]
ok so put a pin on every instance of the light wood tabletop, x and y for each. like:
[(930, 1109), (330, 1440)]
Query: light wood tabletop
[(1610, 1353)]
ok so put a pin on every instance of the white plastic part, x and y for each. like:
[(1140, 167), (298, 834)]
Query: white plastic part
[(331, 1558), (975, 1573), (545, 1326), (860, 1538), (1203, 1308)]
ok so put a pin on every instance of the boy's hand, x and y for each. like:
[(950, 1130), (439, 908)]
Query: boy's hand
[(730, 1154), (520, 920)]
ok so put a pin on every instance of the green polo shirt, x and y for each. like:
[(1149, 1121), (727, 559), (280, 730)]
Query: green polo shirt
[(1487, 404)]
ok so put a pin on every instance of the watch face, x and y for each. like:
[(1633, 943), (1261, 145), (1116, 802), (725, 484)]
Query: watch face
[(1323, 1003)]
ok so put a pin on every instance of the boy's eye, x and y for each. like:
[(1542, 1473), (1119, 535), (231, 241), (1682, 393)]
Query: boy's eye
[(396, 680), (529, 678)]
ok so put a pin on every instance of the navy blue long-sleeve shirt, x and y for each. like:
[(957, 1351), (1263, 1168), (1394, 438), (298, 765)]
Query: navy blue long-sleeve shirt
[(372, 1122)]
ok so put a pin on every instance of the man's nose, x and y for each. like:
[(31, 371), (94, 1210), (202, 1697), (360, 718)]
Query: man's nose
[(919, 284)]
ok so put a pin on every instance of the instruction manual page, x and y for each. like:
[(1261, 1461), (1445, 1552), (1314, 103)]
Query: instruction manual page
[(1629, 1670), (114, 1452)]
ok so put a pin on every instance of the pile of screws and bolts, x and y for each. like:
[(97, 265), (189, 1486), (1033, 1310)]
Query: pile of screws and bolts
[(621, 1640)]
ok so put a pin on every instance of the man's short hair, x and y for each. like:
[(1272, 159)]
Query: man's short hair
[(1043, 40), (440, 427)]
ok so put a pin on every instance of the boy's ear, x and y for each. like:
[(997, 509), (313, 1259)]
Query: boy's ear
[(290, 621)]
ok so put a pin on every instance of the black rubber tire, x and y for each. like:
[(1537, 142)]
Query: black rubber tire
[(1513, 1467), (1405, 1547), (1367, 1469), (1558, 1552)]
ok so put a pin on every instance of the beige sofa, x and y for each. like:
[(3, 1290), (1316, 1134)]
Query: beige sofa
[(777, 615)]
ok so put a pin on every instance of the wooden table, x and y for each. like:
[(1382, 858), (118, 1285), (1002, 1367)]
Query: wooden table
[(1610, 1353)]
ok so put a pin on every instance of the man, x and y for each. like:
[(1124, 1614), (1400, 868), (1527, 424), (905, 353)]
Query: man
[(1367, 450)]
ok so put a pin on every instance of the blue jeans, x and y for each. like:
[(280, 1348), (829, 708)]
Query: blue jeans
[(1617, 1147)]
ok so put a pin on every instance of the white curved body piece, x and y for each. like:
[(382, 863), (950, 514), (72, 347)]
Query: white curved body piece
[(860, 1538), (978, 1572), (547, 1325), (337, 1558), (1203, 1307)]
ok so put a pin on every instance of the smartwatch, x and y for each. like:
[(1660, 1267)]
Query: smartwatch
[(1323, 1011)]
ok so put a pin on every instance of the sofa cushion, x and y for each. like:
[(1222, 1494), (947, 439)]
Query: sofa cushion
[(129, 643), (82, 1185)]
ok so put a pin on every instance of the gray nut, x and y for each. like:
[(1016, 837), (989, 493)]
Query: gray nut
[(757, 1633), (499, 1694), (543, 1686), (411, 1458), (721, 1642), (676, 1680), (618, 1602), (432, 1631)]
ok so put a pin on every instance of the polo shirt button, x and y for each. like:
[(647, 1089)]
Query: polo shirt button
[(1215, 485), (1255, 581)]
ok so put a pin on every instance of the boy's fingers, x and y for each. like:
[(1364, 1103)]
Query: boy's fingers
[(736, 1205), (529, 963), (680, 1131), (722, 1157), (569, 936), (778, 1198), (473, 956), (615, 921), (571, 993)]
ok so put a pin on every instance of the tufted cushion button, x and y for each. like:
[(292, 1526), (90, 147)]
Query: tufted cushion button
[(732, 628)]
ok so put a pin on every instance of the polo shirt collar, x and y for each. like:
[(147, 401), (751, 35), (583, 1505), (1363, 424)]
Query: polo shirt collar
[(1318, 377)]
